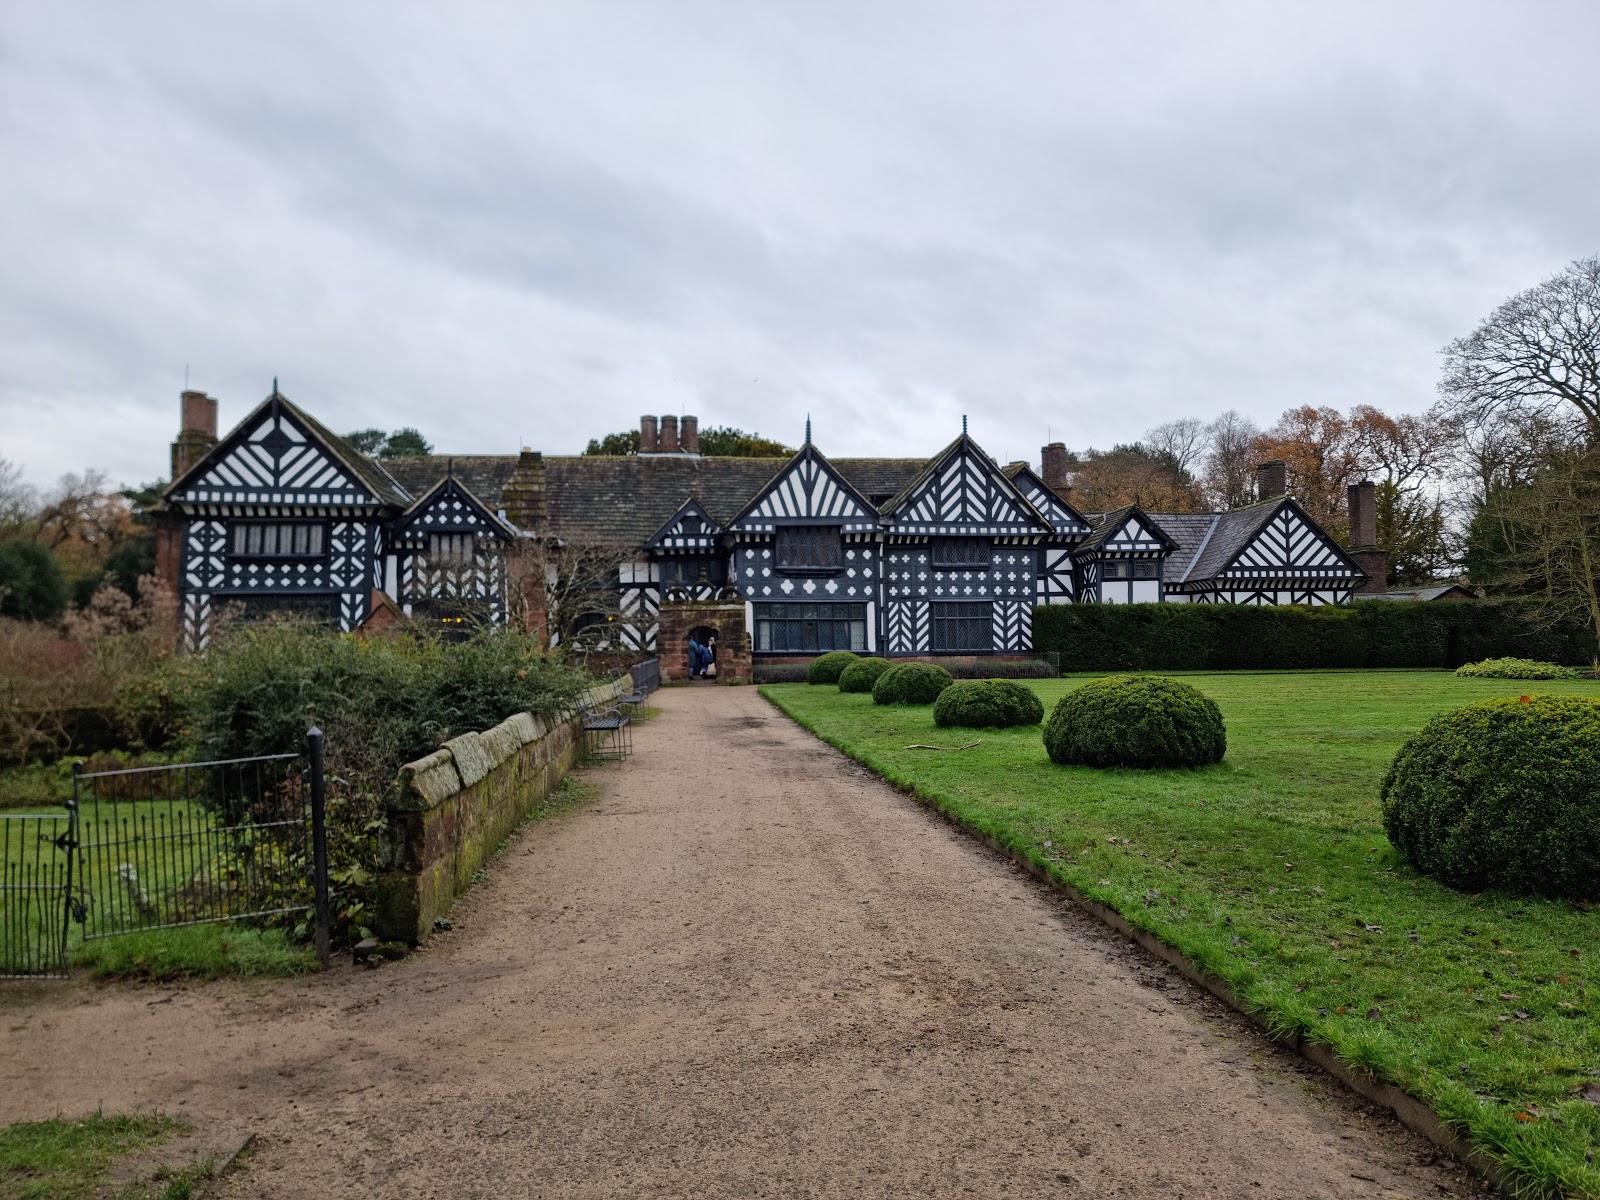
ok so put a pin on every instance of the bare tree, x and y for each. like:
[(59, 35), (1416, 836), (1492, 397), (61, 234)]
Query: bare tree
[(577, 579), (1229, 466), (1184, 441), (1548, 530), (18, 502), (1538, 352)]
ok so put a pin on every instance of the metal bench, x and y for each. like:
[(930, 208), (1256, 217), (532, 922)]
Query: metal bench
[(607, 731)]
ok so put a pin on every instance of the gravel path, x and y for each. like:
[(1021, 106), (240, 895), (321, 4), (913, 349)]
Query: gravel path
[(746, 969)]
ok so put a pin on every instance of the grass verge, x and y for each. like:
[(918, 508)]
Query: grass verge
[(195, 952), (1270, 871), (70, 1160)]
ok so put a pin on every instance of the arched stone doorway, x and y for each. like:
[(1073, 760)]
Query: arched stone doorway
[(681, 620), (705, 637)]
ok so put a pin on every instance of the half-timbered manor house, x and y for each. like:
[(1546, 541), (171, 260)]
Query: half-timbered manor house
[(940, 556)]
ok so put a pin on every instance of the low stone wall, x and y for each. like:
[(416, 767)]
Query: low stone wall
[(447, 812)]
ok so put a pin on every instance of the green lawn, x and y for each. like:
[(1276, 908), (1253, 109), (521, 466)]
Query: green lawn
[(200, 951), (1271, 871), (69, 1160)]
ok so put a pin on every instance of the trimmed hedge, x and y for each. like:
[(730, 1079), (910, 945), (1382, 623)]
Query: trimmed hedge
[(911, 683), (987, 704), (1369, 633), (861, 676), (826, 668), (1001, 668), (1138, 721), (1514, 668), (1501, 794)]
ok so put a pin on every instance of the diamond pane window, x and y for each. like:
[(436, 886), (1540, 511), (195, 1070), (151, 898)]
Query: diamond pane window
[(809, 548), (810, 628), (963, 627), (275, 539)]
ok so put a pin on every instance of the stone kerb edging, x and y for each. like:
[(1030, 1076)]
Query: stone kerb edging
[(447, 811)]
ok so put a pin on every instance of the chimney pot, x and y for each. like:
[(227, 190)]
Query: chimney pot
[(1272, 480), (689, 435), (649, 436), (669, 435)]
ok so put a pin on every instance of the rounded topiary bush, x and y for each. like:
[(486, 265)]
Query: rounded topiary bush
[(987, 704), (826, 668), (859, 676), (911, 683), (1514, 668), (1136, 721), (1504, 793)]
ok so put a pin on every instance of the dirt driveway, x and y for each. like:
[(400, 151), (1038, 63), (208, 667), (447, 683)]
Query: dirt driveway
[(746, 969)]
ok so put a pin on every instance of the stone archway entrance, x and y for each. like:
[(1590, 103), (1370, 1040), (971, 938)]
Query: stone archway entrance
[(703, 618)]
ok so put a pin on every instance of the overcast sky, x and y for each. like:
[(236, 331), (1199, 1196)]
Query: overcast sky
[(527, 224)]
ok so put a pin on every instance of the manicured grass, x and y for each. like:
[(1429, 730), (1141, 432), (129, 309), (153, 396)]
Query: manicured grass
[(1271, 871), (68, 1160)]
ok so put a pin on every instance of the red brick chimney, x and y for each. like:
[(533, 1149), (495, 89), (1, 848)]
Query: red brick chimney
[(197, 431), (669, 435), (689, 435), (649, 436), (1363, 498), (1272, 480), (1053, 470)]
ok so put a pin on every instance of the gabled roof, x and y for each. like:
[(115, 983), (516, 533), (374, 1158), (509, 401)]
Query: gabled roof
[(1062, 515), (365, 471), (1112, 523), (1219, 558), (452, 487), (788, 500), (964, 446), (690, 507)]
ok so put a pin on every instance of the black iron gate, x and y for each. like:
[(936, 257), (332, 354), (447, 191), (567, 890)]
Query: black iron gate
[(158, 847), (36, 860)]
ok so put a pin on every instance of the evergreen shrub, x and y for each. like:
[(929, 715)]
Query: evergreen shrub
[(911, 683), (1001, 668), (826, 668), (1371, 633), (987, 704), (861, 675), (1502, 794), (1514, 668), (1136, 721)]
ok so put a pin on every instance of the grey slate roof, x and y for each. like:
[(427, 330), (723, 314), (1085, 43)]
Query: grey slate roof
[(1205, 542), (629, 497)]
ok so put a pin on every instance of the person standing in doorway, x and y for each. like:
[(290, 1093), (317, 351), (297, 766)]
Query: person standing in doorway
[(711, 656), (696, 657)]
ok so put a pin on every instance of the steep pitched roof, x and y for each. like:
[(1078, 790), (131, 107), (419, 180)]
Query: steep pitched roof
[(368, 473), (1062, 515), (1111, 524), (452, 487), (938, 465)]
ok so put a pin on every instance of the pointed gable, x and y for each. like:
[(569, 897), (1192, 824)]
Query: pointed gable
[(808, 488), (1128, 530), (450, 507), (1057, 511), (690, 528), (962, 490), (278, 456), (1283, 542)]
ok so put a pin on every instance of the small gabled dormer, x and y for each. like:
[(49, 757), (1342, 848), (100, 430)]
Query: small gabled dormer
[(1122, 561)]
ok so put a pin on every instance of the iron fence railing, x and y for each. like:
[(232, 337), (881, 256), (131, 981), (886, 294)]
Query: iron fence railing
[(35, 882), (194, 843)]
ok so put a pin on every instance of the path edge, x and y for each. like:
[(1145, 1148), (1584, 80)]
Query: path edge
[(1413, 1113)]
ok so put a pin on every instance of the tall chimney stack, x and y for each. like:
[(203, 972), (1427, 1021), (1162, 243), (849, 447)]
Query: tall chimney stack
[(649, 436), (197, 432), (1272, 480), (1363, 499), (1053, 469), (669, 435), (689, 435)]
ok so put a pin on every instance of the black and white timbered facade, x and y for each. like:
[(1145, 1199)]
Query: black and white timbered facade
[(899, 557)]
